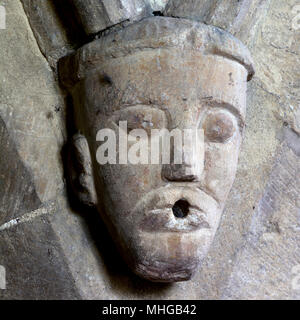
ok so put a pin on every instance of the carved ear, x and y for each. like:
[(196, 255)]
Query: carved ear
[(80, 171)]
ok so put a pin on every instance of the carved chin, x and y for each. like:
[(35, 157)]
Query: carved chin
[(167, 271), (167, 244), (169, 256)]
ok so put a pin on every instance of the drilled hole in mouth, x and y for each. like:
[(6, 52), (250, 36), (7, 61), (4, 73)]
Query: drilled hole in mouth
[(181, 209)]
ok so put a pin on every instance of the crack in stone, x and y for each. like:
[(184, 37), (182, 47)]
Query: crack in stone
[(28, 217)]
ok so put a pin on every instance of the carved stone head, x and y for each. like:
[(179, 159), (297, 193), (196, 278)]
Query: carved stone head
[(174, 74)]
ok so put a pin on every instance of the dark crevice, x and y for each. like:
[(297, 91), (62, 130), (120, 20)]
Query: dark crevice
[(157, 13), (181, 209)]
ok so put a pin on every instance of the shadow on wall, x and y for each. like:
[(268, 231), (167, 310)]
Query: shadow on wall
[(65, 11)]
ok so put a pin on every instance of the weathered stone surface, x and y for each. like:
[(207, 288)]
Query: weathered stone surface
[(54, 27), (264, 265), (95, 15), (35, 264), (155, 242), (61, 26), (279, 73), (154, 33), (273, 102), (17, 189), (31, 104), (248, 259), (157, 5), (241, 18), (193, 9)]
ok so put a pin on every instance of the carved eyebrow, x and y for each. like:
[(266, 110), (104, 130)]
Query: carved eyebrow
[(129, 106), (149, 105), (209, 101)]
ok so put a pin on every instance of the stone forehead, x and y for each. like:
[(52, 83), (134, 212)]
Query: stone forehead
[(154, 33)]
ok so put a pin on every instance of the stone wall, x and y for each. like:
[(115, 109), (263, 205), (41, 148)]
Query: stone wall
[(51, 250)]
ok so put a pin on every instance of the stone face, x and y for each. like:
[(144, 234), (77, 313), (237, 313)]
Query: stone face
[(188, 85), (255, 252)]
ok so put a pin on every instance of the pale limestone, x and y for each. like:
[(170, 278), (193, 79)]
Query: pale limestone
[(249, 257), (31, 104)]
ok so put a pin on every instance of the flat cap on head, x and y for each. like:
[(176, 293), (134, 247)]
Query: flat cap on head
[(153, 33)]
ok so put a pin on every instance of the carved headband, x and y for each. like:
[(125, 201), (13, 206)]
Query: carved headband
[(154, 33)]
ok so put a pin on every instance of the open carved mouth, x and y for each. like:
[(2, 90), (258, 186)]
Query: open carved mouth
[(177, 210), (181, 209), (186, 218)]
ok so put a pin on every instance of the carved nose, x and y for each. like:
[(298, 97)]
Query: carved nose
[(191, 167), (180, 172)]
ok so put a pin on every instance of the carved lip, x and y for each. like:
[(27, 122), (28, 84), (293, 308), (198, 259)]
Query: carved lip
[(158, 214), (161, 220)]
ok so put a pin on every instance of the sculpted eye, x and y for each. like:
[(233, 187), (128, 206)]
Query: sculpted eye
[(218, 127), (140, 120), (142, 117)]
